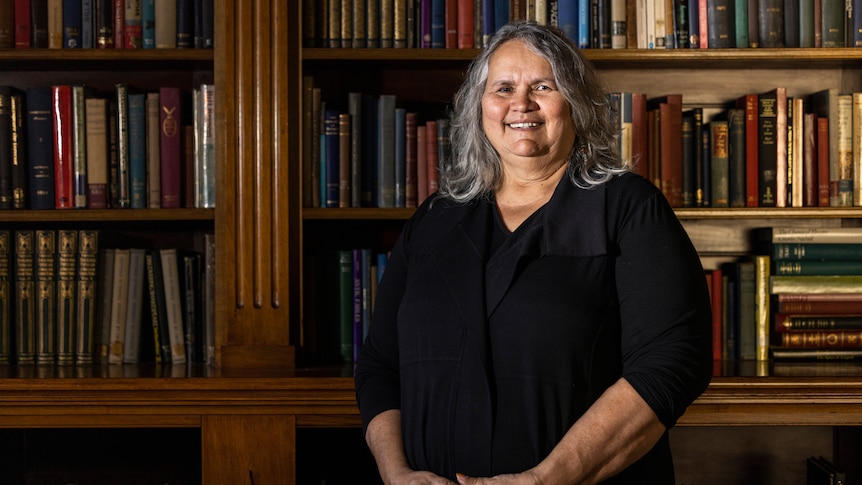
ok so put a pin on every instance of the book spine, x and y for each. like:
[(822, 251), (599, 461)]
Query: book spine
[(25, 297), (88, 37), (118, 23), (802, 323), (410, 160), (805, 234), (832, 26), (400, 175), (63, 146), (67, 250), (6, 283), (138, 196), (133, 34), (19, 151), (148, 24), (5, 147), (206, 167), (207, 14), (344, 153), (819, 304), (719, 141), (770, 23), (122, 148), (332, 159), (815, 283), (804, 251), (39, 24), (767, 161), (154, 194), (97, 152), (173, 304), (762, 301), (104, 15), (192, 322), (22, 26), (786, 267), (104, 306), (166, 24), (845, 150), (134, 306), (822, 339), (85, 321), (119, 303), (45, 296), (721, 24), (431, 157), (354, 102), (79, 148), (465, 24), (185, 30), (55, 24), (170, 148), (345, 304), (71, 23), (164, 334), (154, 312)]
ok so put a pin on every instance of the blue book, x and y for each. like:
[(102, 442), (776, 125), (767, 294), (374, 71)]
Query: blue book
[(386, 153), (148, 24), (438, 24), (694, 23), (330, 165), (488, 21), (71, 24), (382, 259), (584, 24), (501, 13), (88, 38), (400, 157), (567, 15), (322, 169), (40, 147), (137, 151)]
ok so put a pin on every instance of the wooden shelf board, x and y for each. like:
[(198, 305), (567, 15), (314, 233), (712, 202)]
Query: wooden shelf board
[(107, 215)]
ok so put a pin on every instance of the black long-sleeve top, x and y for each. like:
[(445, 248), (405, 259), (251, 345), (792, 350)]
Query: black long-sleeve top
[(492, 351)]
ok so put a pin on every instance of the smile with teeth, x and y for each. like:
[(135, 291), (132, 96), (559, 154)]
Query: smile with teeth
[(524, 125)]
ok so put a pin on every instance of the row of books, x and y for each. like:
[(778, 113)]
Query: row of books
[(348, 287), (65, 301), (373, 153), (766, 149), (604, 24), (70, 147), (815, 291), (106, 24)]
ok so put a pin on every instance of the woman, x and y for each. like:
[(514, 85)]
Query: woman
[(544, 318)]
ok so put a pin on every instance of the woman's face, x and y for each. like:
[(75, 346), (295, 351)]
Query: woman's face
[(524, 115)]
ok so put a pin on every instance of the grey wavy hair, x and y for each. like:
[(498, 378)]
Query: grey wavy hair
[(474, 166)]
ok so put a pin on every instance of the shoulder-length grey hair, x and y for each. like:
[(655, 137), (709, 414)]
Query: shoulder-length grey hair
[(474, 168)]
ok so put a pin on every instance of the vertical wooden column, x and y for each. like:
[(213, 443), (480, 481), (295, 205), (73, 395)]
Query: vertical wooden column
[(257, 78), (248, 450)]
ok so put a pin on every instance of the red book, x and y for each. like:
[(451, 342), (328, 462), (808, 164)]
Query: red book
[(410, 160), (640, 135), (748, 103), (670, 154), (22, 24), (465, 24), (451, 23), (822, 162), (703, 17), (421, 164), (61, 114), (170, 147), (432, 176), (819, 303), (119, 24), (717, 305)]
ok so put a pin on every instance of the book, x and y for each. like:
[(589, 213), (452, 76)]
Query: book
[(123, 181), (386, 151), (762, 306), (780, 354), (63, 147), (39, 24), (772, 106), (86, 295), (844, 134), (118, 21), (21, 24), (137, 122), (72, 24), (166, 24), (79, 148), (809, 161), (817, 251), (670, 153), (820, 471), (119, 306), (824, 339), (173, 304), (736, 151), (827, 267), (825, 104), (832, 23), (785, 322), (104, 19), (209, 298), (815, 283), (721, 30), (134, 306), (185, 30), (749, 104), (20, 174), (205, 168), (771, 28), (104, 305), (400, 160), (97, 152), (6, 292), (822, 303), (344, 153), (46, 296), (25, 297), (190, 275), (345, 304), (157, 310), (55, 24), (153, 150), (67, 295), (720, 162), (5, 147), (133, 29), (812, 234), (148, 24), (170, 121)]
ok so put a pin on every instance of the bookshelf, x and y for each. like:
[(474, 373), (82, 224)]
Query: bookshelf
[(743, 396)]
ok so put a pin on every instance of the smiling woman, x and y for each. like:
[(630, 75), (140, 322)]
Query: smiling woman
[(544, 318)]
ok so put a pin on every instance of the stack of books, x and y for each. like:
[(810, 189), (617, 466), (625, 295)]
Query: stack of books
[(816, 291)]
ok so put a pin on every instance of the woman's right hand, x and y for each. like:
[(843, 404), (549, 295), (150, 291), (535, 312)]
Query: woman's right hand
[(410, 477)]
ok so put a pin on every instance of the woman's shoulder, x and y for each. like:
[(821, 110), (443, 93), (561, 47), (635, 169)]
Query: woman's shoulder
[(435, 216), (630, 184)]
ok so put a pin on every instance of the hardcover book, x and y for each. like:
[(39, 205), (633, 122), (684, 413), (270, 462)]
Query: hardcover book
[(134, 306), (61, 111), (138, 196), (133, 24), (157, 309), (25, 297), (39, 24), (97, 152), (72, 24), (80, 187), (170, 147), (5, 147), (20, 175), (67, 288), (121, 95), (46, 296), (6, 292), (119, 306), (173, 304), (87, 293)]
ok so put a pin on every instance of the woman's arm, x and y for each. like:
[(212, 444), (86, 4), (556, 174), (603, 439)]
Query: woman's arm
[(617, 430), (383, 435)]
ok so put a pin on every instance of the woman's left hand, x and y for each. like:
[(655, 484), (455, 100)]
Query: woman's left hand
[(526, 478)]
